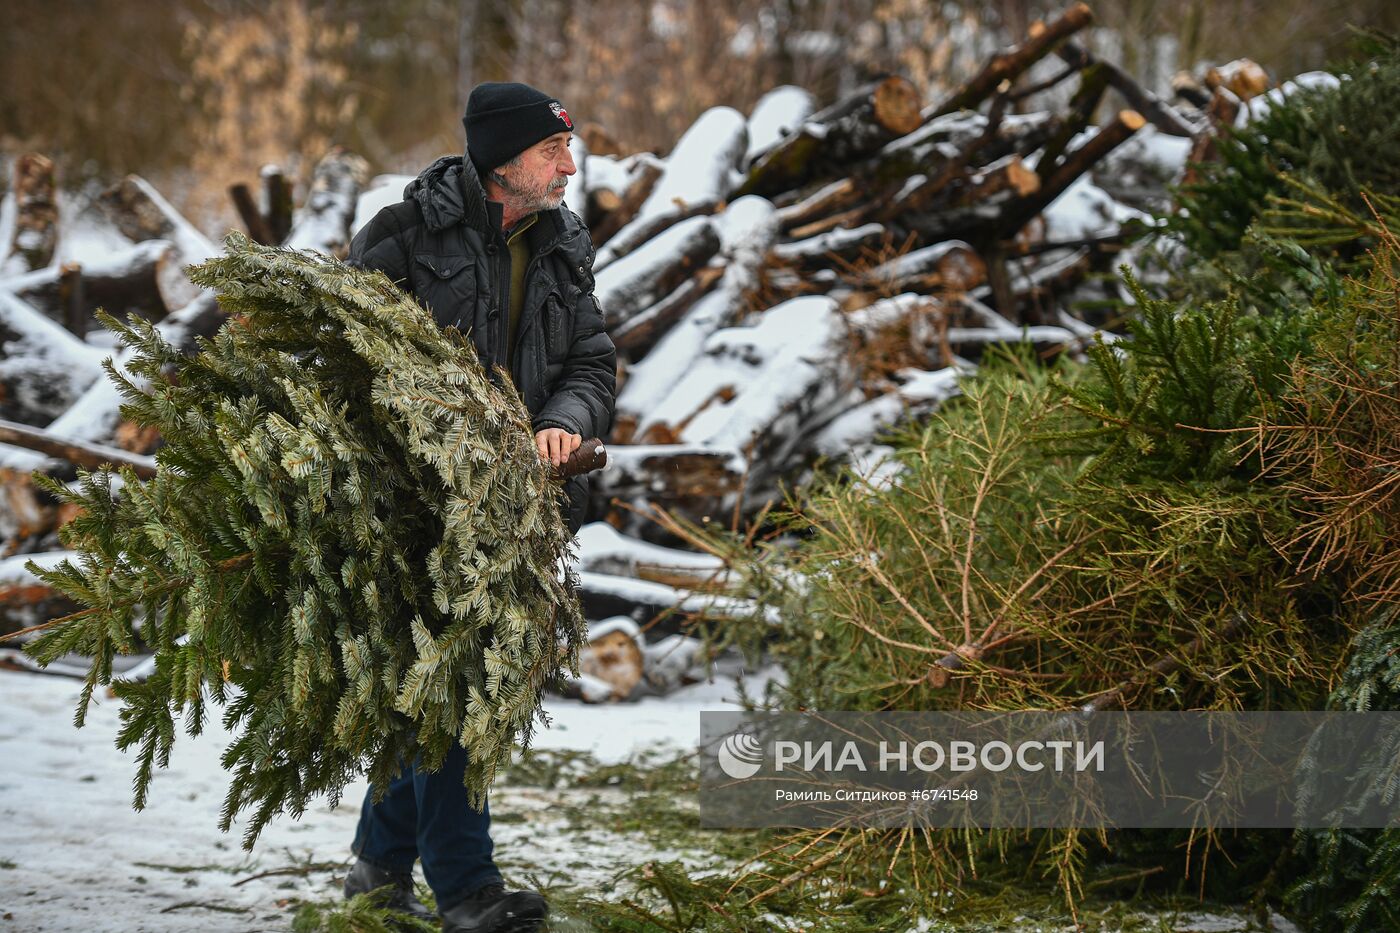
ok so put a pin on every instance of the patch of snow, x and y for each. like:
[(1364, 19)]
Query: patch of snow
[(193, 245), (603, 549), (746, 225), (698, 169), (86, 236), (916, 261), (13, 571), (21, 458), (646, 591), (1163, 153), (623, 624), (1085, 210), (823, 243), (777, 113), (84, 860), (94, 416), (768, 366), (605, 173), (745, 238), (7, 223), (923, 390), (44, 365)]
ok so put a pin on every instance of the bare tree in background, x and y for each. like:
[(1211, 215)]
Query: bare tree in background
[(466, 50)]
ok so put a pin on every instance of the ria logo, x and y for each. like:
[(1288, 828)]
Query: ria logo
[(740, 755)]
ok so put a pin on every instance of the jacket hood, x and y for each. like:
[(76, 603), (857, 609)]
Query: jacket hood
[(449, 192)]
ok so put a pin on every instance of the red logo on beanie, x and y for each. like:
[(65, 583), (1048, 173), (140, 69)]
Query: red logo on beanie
[(561, 113)]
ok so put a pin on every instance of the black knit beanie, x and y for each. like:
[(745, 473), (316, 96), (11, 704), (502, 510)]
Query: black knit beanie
[(505, 118)]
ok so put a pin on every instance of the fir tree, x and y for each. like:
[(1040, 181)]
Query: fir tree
[(351, 545)]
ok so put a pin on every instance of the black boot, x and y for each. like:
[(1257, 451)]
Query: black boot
[(365, 877), (493, 909)]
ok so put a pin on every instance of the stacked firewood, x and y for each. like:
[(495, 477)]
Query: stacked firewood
[(59, 410), (782, 287)]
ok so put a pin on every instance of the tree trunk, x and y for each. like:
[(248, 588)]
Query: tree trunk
[(324, 222), (614, 657), (842, 245), (36, 215), (1092, 84), (1161, 115), (641, 279), (141, 214), (277, 192), (950, 266), (91, 456), (130, 280), (250, 214), (831, 140), (1076, 163), (639, 333)]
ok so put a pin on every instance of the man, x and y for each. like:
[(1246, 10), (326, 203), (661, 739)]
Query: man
[(485, 245)]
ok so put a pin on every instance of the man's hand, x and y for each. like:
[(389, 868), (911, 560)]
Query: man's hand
[(555, 444)]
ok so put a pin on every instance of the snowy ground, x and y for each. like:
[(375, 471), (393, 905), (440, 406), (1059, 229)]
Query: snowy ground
[(74, 856)]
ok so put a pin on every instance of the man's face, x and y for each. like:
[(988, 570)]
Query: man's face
[(543, 170)]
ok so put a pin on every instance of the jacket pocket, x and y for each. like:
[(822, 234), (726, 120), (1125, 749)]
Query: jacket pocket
[(559, 321), (447, 287)]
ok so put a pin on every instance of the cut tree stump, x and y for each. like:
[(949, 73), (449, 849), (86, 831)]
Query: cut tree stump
[(613, 656), (324, 222), (36, 214), (128, 280)]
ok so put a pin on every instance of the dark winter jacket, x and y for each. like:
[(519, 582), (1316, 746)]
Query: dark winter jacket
[(443, 244)]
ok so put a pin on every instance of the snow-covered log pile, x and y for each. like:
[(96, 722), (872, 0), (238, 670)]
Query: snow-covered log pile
[(782, 287), (124, 252), (804, 267)]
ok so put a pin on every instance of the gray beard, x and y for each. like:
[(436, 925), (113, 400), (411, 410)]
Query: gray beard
[(528, 202)]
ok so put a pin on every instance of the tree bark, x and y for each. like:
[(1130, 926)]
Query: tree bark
[(838, 195), (91, 456), (945, 267), (70, 291), (277, 192), (615, 658), (249, 213)]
